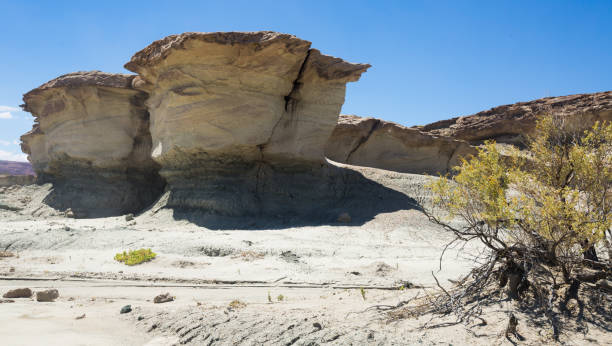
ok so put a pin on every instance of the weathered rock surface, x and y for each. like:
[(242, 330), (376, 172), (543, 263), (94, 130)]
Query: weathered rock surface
[(510, 123), (239, 120), (386, 145), (91, 139)]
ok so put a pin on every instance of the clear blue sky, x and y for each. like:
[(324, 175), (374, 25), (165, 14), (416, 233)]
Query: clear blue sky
[(431, 59)]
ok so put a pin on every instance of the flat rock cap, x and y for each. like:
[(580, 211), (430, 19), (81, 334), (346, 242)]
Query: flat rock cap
[(158, 50)]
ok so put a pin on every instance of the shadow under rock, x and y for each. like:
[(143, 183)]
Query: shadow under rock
[(279, 199), (96, 195)]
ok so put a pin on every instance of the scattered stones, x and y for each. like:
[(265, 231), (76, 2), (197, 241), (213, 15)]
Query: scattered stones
[(382, 269), (290, 257), (18, 293), (47, 295), (163, 298), (344, 218), (126, 309), (6, 254)]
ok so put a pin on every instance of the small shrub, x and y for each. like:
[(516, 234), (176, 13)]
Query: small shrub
[(362, 291), (280, 298), (134, 257), (237, 304), (269, 297)]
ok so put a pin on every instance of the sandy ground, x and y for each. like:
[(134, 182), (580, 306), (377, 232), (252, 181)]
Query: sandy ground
[(319, 270)]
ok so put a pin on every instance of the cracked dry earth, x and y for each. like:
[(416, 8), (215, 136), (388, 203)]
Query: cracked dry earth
[(273, 283)]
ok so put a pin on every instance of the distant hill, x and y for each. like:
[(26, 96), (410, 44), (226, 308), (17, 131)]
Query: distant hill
[(16, 168)]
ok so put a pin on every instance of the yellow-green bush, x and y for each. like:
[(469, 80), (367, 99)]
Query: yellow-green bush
[(134, 257)]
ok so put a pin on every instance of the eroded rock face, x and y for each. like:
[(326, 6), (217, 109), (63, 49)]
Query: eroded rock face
[(510, 123), (239, 121), (91, 140), (377, 143)]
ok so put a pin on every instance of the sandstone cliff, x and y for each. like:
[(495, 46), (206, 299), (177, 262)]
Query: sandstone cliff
[(239, 120), (91, 139), (382, 144), (510, 123)]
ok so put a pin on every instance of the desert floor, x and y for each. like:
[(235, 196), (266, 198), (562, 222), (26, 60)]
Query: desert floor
[(319, 270)]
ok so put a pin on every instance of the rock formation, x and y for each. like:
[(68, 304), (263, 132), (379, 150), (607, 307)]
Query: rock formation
[(437, 147), (510, 123), (381, 144), (91, 139), (239, 121)]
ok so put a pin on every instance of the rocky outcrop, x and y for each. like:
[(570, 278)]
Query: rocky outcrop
[(510, 123), (91, 139), (239, 120), (386, 145)]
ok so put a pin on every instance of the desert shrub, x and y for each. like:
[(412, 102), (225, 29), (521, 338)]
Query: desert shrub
[(280, 298), (236, 304), (540, 216), (134, 257)]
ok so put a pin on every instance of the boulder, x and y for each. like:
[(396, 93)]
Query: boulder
[(381, 144), (511, 123), (239, 120), (47, 295), (91, 139), (18, 293)]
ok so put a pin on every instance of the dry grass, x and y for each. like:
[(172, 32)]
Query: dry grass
[(237, 304)]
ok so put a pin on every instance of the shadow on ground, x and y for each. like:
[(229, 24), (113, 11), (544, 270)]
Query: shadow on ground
[(312, 200)]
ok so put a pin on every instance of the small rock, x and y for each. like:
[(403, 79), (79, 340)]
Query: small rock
[(47, 296), (18, 293), (248, 242), (163, 298), (317, 325), (129, 217), (140, 318), (604, 285), (6, 254), (126, 309), (2, 301), (80, 317), (12, 270), (356, 273), (69, 213), (344, 218)]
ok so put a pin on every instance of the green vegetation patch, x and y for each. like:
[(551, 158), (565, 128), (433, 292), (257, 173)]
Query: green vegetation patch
[(134, 257)]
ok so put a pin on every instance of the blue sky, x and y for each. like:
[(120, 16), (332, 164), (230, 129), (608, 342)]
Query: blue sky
[(431, 60)]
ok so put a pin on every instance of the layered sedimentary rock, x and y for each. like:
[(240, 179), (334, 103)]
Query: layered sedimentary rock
[(510, 123), (386, 145), (91, 139), (239, 121)]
